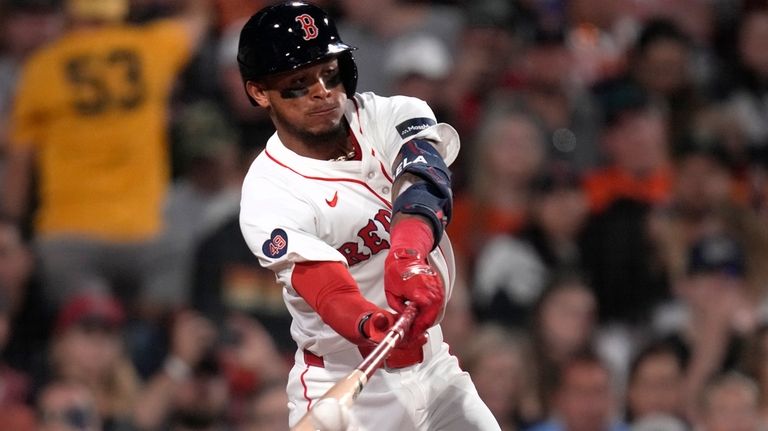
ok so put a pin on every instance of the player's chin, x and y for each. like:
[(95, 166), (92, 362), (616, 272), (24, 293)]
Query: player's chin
[(325, 128)]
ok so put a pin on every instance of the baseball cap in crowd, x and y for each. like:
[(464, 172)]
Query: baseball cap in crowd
[(92, 309), (716, 254), (419, 54)]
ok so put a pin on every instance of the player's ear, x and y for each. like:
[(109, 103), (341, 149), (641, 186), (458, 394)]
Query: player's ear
[(257, 93)]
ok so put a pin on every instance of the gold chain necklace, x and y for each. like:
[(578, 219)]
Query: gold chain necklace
[(348, 156)]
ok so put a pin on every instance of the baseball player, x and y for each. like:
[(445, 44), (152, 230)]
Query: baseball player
[(347, 205)]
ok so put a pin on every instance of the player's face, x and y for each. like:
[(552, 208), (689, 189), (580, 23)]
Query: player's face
[(307, 102)]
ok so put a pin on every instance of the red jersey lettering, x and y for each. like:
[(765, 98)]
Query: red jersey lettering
[(371, 238), (351, 251)]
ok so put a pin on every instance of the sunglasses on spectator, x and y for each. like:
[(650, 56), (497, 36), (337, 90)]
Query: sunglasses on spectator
[(80, 418)]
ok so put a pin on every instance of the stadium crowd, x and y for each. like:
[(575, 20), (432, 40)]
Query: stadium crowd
[(610, 218)]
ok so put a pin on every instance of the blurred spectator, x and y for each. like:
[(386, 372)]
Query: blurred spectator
[(65, 405), (419, 66), (617, 247), (375, 26), (197, 202), (14, 385), (267, 409), (459, 322), (583, 397), (487, 47), (93, 132), (229, 12), (707, 198), (600, 32), (500, 365), (87, 348), (655, 384), (755, 363), (207, 376), (704, 23), (512, 271), (25, 25), (636, 146), (549, 90), (28, 318), (562, 326), (250, 359), (507, 155), (746, 101), (192, 339), (729, 402), (660, 67), (713, 314), (253, 125)]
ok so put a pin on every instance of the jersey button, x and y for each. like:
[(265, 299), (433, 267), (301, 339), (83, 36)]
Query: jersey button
[(385, 190), (371, 175)]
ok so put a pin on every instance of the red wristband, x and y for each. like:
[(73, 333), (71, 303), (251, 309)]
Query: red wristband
[(412, 232)]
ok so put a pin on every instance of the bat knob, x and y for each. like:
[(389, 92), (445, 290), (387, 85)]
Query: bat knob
[(330, 415)]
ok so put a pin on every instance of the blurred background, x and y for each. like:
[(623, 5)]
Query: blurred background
[(610, 219)]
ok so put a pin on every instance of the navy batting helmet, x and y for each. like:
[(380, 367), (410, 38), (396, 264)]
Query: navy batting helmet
[(290, 35)]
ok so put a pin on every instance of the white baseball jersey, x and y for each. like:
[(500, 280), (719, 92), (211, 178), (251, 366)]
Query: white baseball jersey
[(297, 209)]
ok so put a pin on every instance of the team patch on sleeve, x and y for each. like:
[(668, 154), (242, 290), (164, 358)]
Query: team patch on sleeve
[(413, 126), (276, 245)]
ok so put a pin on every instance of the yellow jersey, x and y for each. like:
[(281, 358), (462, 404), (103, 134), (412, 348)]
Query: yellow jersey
[(94, 105)]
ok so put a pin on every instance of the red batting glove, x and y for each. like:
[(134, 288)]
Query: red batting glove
[(408, 277), (376, 325)]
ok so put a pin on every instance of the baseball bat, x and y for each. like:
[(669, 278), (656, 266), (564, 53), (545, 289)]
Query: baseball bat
[(346, 390)]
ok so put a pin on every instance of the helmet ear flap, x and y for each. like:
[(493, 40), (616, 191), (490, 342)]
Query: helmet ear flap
[(348, 70)]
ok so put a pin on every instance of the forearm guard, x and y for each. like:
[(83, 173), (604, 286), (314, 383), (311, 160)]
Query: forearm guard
[(431, 195)]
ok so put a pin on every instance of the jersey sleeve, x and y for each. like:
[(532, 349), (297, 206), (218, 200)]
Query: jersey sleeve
[(281, 231), (400, 119)]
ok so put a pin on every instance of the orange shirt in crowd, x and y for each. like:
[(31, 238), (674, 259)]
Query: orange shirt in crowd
[(605, 186)]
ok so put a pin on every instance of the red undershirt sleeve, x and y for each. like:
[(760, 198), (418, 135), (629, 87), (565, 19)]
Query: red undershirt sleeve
[(331, 291)]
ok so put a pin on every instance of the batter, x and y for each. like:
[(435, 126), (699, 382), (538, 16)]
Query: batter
[(347, 205)]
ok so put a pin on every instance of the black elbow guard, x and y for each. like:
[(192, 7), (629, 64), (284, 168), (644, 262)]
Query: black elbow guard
[(430, 197)]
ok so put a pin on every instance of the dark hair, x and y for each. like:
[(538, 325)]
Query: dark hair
[(659, 29), (557, 282), (656, 348), (588, 357), (618, 98), (712, 147)]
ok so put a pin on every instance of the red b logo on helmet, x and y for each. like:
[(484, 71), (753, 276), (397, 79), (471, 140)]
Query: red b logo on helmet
[(308, 25)]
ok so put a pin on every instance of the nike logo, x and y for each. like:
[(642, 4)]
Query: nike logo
[(332, 203)]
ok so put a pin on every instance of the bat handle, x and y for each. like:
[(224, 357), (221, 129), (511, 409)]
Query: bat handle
[(396, 333)]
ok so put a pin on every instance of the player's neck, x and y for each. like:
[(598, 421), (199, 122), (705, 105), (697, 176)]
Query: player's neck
[(334, 145)]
